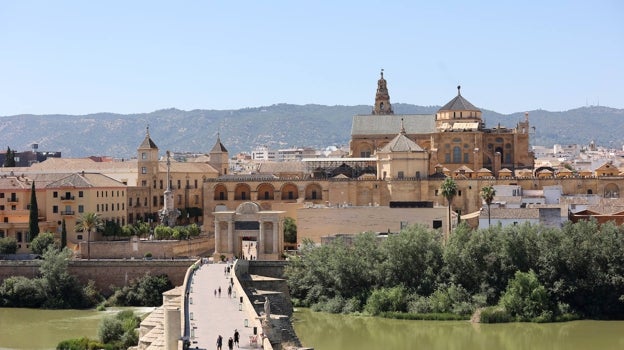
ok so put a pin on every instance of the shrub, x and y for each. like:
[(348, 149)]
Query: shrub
[(145, 291), (19, 291), (110, 330), (387, 299), (82, 344), (495, 314), (8, 245), (40, 243), (526, 299)]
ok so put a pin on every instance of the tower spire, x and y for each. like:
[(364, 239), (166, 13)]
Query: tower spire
[(382, 97)]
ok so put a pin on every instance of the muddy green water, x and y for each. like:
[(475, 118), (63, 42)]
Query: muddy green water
[(34, 329), (338, 332)]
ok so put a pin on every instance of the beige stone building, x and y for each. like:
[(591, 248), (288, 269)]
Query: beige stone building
[(455, 136)]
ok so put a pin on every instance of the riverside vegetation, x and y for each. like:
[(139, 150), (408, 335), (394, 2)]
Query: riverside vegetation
[(514, 273), (55, 288)]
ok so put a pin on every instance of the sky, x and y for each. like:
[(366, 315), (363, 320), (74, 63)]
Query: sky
[(83, 57)]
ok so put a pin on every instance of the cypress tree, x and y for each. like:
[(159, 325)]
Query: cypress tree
[(63, 235), (9, 160), (33, 220)]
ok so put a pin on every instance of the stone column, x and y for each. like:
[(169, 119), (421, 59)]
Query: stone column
[(217, 226), (260, 244), (172, 328), (275, 236), (230, 236)]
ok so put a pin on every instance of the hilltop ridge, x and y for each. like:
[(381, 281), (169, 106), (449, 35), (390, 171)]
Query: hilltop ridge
[(277, 126)]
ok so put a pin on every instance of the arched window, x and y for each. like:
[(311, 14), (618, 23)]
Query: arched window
[(456, 154)]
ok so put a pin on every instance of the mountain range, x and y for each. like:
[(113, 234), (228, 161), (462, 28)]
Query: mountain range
[(277, 126)]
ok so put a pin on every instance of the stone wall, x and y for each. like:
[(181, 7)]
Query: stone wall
[(136, 248), (104, 272)]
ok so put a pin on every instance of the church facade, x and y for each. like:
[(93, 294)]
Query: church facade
[(455, 137)]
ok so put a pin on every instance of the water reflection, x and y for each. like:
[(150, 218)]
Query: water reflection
[(336, 332), (44, 329)]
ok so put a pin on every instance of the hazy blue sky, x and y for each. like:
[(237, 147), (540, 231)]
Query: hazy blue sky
[(80, 57)]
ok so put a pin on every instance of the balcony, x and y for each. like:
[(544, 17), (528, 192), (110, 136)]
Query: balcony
[(68, 198), (12, 200), (68, 212)]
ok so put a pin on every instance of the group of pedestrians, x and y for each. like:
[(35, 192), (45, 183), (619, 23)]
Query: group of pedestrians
[(231, 342)]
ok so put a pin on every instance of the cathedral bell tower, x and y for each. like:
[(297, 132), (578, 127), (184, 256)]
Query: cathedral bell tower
[(382, 98), (147, 160)]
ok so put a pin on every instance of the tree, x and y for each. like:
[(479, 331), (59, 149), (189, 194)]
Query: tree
[(526, 298), (63, 235), (33, 218), (449, 190), (42, 242), (487, 193), (8, 245), (9, 160), (88, 223), (290, 230)]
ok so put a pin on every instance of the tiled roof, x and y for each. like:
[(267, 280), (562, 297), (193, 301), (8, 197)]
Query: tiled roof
[(148, 143), (401, 143), (391, 124), (459, 103), (84, 181), (281, 167)]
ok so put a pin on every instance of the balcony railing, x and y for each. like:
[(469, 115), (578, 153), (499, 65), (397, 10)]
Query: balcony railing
[(67, 212), (12, 200), (67, 198)]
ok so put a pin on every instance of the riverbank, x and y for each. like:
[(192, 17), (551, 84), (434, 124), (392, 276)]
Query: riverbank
[(37, 329), (336, 331)]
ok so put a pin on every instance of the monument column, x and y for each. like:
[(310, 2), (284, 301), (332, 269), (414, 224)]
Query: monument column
[(217, 230), (260, 245), (275, 236), (230, 236)]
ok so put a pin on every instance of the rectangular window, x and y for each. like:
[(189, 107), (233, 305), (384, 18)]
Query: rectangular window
[(154, 186), (2, 195), (143, 183), (97, 207), (466, 158), (196, 199), (129, 202), (400, 175), (55, 209), (81, 208), (55, 194), (143, 170), (155, 201), (437, 224), (195, 183), (1, 207), (179, 199), (80, 194), (188, 184), (161, 184), (179, 184)]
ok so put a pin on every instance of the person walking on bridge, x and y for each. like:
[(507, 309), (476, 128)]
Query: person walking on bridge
[(219, 342), (236, 338), (230, 344)]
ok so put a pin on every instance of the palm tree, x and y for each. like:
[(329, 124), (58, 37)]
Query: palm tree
[(449, 190), (487, 193), (87, 223)]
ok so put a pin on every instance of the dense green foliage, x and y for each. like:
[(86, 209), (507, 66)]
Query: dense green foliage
[(144, 291), (116, 332), (524, 272), (177, 232), (42, 242), (54, 289), (290, 230), (8, 245)]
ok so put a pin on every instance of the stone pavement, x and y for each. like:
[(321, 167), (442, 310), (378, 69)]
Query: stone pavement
[(216, 315)]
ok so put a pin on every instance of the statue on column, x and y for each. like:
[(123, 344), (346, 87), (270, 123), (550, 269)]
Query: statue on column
[(267, 308), (168, 214)]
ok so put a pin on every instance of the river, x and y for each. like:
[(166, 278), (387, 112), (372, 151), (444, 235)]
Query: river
[(338, 332), (34, 329)]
